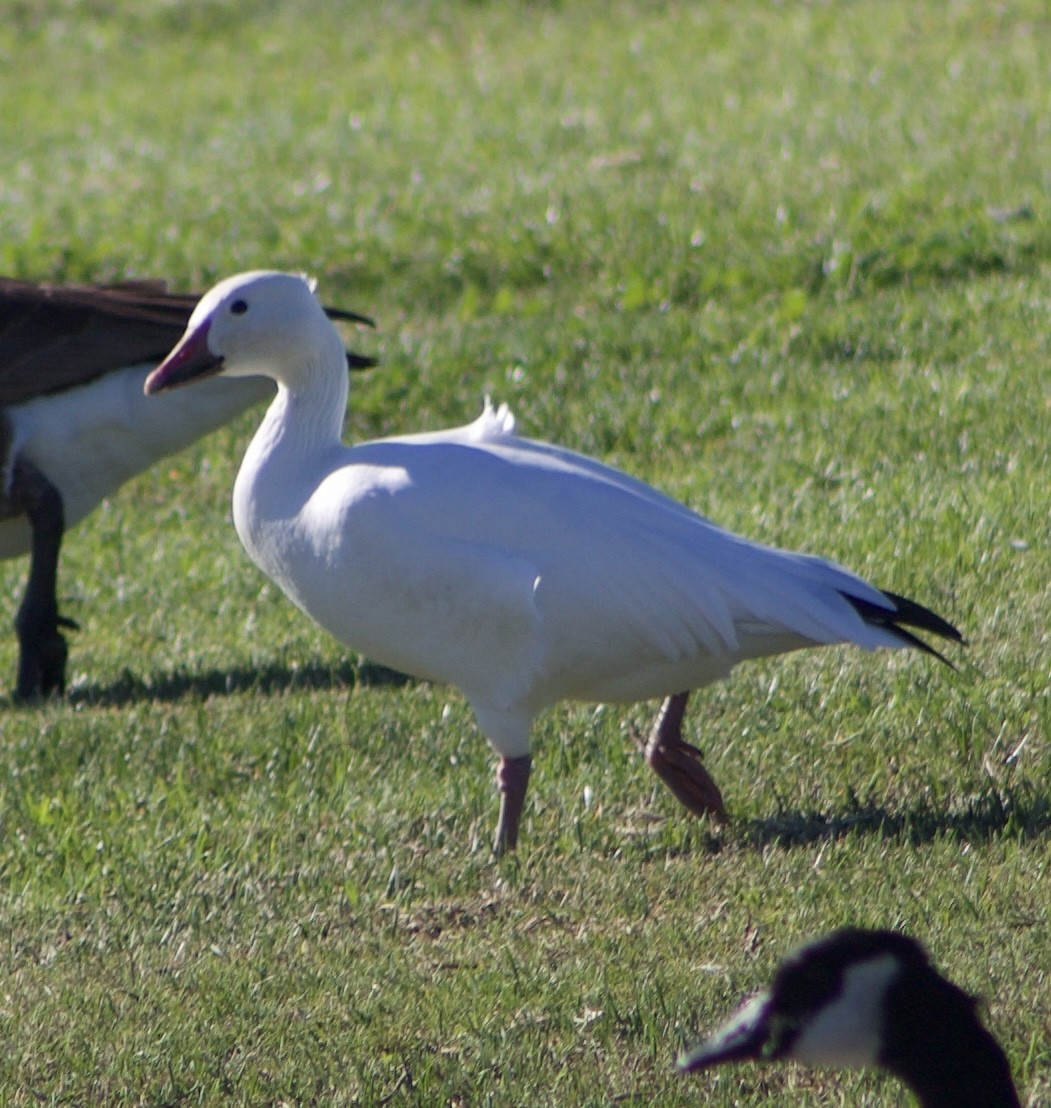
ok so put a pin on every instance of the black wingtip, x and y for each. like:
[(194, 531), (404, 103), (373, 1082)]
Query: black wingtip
[(360, 361), (916, 615), (345, 316), (907, 613)]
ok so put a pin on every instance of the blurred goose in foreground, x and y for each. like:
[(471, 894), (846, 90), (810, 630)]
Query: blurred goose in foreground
[(520, 572), (860, 998), (74, 426)]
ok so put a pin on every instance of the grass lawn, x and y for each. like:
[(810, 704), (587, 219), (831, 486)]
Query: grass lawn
[(790, 262)]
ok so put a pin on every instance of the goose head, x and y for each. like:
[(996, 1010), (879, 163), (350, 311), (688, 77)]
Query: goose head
[(859, 998), (262, 322)]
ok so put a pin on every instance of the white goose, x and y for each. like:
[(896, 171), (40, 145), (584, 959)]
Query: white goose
[(520, 572), (858, 998), (74, 426)]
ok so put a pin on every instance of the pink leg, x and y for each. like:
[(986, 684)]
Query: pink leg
[(678, 764), (512, 779)]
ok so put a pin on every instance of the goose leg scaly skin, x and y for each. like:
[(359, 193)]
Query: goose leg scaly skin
[(679, 765), (42, 647), (512, 779)]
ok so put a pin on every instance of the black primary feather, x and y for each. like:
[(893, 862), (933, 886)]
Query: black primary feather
[(910, 614)]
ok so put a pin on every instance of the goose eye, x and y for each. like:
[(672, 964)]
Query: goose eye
[(239, 307)]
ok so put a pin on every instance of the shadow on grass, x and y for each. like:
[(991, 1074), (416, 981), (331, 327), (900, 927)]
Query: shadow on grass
[(267, 680), (1018, 811)]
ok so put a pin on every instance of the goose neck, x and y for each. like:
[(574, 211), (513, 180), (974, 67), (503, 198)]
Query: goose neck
[(310, 410), (943, 1052)]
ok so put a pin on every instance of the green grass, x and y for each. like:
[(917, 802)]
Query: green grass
[(790, 262)]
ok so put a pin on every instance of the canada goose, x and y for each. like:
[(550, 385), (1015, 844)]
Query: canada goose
[(857, 998)]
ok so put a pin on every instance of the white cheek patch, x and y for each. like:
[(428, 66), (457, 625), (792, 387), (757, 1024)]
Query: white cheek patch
[(848, 1030)]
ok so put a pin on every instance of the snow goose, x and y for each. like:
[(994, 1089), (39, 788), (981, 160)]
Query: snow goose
[(858, 998), (74, 426), (520, 572)]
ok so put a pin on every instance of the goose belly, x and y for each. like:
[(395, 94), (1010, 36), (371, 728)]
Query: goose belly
[(90, 440)]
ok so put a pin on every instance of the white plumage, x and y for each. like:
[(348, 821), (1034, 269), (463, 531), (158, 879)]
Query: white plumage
[(74, 426), (92, 439), (518, 571)]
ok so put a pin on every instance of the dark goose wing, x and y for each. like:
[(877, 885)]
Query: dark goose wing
[(55, 337)]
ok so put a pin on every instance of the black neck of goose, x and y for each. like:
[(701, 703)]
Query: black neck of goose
[(937, 1045)]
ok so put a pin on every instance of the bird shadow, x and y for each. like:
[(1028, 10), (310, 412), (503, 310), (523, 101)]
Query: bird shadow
[(267, 680), (1019, 810)]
